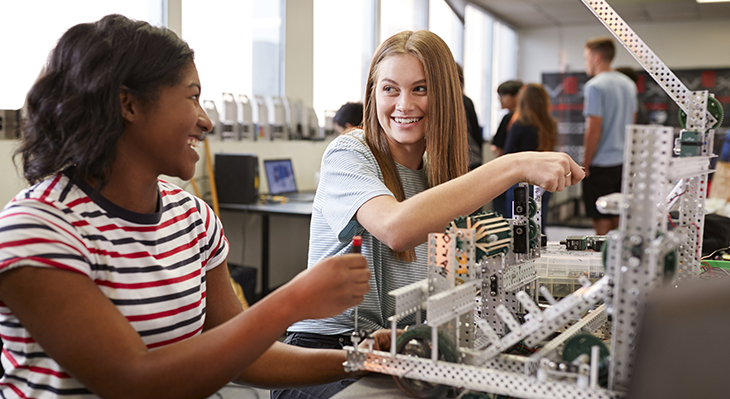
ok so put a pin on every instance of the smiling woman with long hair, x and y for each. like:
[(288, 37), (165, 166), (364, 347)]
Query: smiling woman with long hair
[(401, 177)]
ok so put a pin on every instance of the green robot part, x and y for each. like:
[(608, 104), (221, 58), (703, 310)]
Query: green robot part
[(493, 232), (714, 107), (417, 342)]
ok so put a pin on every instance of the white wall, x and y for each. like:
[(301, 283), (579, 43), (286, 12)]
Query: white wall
[(11, 179), (680, 45), (299, 50)]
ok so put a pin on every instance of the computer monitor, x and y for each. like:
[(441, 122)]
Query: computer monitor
[(237, 178)]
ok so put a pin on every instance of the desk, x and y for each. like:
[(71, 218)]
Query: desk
[(292, 208)]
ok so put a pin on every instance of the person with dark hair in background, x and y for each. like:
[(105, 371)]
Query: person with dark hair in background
[(534, 129), (113, 282), (348, 116), (642, 114), (507, 92), (474, 136), (609, 105)]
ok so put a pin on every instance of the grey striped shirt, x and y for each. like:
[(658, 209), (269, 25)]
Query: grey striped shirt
[(349, 177)]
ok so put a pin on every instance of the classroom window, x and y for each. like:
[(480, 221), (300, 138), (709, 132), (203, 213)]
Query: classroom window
[(504, 66), (443, 21), (478, 64), (221, 34), (343, 46), (399, 15), (29, 35), (490, 58)]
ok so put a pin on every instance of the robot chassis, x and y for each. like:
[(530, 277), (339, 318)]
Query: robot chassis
[(493, 260)]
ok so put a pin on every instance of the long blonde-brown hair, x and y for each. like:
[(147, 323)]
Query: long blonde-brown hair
[(533, 109), (446, 135)]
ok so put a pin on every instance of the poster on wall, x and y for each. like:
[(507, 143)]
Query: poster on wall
[(566, 96)]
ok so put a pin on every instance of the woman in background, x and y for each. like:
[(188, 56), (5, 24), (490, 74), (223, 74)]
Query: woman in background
[(401, 177), (534, 129)]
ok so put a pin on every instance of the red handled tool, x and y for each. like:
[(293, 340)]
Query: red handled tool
[(356, 244)]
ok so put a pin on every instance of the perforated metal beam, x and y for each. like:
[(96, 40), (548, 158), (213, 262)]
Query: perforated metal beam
[(471, 377)]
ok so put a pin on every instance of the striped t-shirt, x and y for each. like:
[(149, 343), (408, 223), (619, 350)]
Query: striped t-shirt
[(151, 266), (349, 177)]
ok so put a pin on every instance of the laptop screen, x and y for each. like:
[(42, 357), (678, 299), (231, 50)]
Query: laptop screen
[(280, 176)]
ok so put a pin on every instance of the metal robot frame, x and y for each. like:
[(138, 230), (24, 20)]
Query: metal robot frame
[(641, 255)]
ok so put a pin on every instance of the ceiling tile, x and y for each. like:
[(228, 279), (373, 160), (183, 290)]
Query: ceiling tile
[(714, 11), (521, 13), (660, 12), (515, 8)]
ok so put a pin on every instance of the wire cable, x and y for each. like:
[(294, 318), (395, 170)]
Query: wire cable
[(715, 251), (708, 268)]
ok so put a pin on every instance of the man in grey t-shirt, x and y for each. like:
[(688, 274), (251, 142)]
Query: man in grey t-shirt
[(609, 105)]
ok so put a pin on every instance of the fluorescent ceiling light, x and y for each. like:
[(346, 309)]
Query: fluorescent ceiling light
[(712, 1)]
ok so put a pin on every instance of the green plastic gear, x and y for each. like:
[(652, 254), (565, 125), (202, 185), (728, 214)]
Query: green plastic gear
[(671, 263), (714, 107), (532, 207), (493, 232), (534, 234), (459, 222), (417, 342), (604, 256), (581, 344)]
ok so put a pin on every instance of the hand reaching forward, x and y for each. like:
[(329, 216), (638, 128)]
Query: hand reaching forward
[(330, 287), (552, 171), (381, 340)]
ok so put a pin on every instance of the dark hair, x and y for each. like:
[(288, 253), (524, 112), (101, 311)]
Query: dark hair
[(602, 46), (630, 72), (460, 70), (349, 113), (510, 87), (74, 111)]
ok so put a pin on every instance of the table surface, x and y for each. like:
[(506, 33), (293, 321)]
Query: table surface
[(303, 208)]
